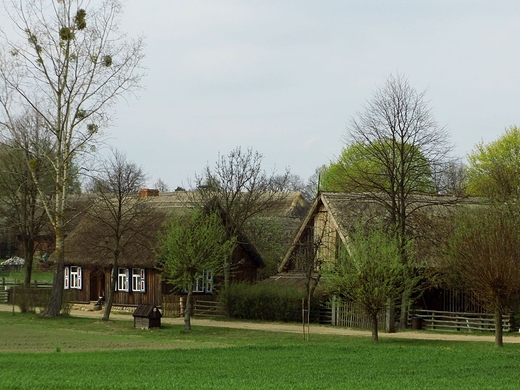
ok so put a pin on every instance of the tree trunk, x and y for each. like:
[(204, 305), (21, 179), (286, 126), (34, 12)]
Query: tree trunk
[(187, 310), (499, 342), (227, 273), (111, 293), (53, 308), (29, 256), (403, 319), (390, 316), (375, 335)]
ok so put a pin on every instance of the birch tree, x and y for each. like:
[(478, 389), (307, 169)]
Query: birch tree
[(68, 63)]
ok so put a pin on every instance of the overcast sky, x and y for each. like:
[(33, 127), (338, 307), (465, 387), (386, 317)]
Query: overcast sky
[(285, 77)]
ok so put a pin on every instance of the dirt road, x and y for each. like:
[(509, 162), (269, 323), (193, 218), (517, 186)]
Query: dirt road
[(314, 329), (295, 328)]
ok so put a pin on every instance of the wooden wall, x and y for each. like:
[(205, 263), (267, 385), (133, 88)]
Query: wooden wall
[(90, 290)]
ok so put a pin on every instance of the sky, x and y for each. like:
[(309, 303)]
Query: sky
[(285, 77)]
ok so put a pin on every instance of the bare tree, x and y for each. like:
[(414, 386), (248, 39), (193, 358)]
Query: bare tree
[(485, 255), (242, 190), (401, 145), (20, 202), (161, 185), (69, 68), (310, 257), (452, 179), (120, 222)]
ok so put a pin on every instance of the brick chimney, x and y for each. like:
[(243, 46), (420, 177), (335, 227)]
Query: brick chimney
[(147, 192)]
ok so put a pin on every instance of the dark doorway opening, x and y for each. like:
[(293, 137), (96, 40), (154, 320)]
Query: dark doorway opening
[(97, 283)]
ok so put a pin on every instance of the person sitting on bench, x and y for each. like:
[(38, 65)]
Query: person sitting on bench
[(101, 299)]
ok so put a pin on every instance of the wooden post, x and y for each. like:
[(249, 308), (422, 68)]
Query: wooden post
[(13, 289), (303, 317), (333, 311)]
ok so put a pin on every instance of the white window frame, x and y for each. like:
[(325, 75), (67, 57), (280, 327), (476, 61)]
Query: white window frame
[(75, 277), (198, 287), (72, 278), (138, 280), (208, 281), (204, 283), (122, 279)]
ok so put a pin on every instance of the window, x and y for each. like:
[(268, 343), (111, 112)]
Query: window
[(138, 280), (199, 284), (72, 278), (204, 284), (75, 277), (122, 279)]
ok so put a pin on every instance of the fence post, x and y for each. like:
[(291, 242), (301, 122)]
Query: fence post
[(334, 311)]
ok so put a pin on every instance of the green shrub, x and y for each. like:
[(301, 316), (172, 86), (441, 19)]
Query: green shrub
[(266, 302)]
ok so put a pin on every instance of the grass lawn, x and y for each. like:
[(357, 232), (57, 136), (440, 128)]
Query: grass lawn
[(83, 353), (18, 276)]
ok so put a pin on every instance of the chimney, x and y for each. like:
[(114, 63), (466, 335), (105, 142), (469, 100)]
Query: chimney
[(147, 192)]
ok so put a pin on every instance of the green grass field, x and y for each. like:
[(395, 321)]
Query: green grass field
[(81, 353), (18, 276)]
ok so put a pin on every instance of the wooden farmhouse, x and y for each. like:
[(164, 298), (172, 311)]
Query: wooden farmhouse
[(89, 258), (324, 233)]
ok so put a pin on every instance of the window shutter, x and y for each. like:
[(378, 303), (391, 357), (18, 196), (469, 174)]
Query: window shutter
[(127, 277), (143, 281), (66, 279), (79, 278), (115, 271)]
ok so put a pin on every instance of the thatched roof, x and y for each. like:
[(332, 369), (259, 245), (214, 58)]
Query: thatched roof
[(85, 248), (346, 209)]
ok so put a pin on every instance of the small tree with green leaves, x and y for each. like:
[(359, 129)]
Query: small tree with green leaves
[(369, 272), (494, 168), (190, 245)]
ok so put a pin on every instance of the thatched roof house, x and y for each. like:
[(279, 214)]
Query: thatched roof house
[(324, 231), (90, 249)]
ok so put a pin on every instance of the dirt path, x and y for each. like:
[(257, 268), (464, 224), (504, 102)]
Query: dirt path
[(293, 328)]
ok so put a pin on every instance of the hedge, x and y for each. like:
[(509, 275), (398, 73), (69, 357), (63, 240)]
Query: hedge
[(266, 302)]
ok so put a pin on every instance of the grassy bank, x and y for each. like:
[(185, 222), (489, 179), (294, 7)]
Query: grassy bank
[(85, 353)]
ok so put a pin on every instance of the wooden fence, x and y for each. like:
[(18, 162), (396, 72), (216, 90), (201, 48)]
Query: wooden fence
[(173, 306), (457, 321), (347, 314), (4, 296), (204, 308), (5, 288)]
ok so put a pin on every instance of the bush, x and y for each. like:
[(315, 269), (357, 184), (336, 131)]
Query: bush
[(30, 298), (266, 302)]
